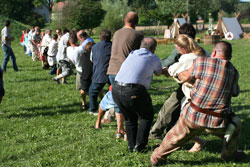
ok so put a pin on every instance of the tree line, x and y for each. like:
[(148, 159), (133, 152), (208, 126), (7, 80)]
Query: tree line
[(110, 13)]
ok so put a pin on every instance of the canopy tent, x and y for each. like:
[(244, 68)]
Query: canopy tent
[(226, 25), (174, 28)]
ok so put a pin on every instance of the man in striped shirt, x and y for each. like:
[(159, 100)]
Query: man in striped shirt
[(216, 81)]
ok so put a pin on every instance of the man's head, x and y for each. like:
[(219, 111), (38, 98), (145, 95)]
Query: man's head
[(105, 35), (37, 30), (48, 32), (73, 39), (149, 43), (131, 19), (55, 37), (65, 31), (7, 23), (187, 29), (82, 35), (59, 31), (222, 50)]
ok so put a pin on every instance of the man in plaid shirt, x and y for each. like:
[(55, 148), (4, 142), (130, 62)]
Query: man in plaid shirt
[(216, 81)]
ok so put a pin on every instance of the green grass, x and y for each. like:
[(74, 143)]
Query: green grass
[(42, 124)]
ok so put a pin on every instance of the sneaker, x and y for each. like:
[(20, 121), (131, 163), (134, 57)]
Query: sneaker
[(94, 113), (56, 80)]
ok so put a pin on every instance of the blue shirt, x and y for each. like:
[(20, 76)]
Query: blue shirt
[(139, 67), (87, 40)]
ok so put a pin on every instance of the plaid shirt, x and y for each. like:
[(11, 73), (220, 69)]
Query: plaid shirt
[(216, 80)]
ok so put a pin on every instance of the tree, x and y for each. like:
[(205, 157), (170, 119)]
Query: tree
[(81, 14), (21, 10), (115, 13)]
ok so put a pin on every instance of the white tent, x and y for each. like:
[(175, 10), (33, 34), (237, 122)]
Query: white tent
[(226, 25), (174, 28)]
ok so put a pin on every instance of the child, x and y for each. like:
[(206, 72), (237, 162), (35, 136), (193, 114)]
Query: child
[(107, 103)]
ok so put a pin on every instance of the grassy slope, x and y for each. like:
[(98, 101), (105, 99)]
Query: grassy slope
[(42, 124)]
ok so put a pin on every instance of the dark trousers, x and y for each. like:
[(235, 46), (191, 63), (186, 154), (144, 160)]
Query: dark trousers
[(94, 90), (135, 102), (168, 115)]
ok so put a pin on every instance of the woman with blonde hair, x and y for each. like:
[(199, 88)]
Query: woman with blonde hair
[(190, 50)]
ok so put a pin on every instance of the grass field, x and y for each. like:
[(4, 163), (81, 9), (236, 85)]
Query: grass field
[(42, 125)]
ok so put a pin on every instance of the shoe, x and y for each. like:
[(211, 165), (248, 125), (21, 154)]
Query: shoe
[(56, 80), (237, 156), (140, 149), (85, 107), (64, 82), (120, 135), (93, 113)]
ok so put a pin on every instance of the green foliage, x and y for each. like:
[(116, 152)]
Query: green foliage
[(115, 13), (16, 27), (82, 14), (21, 10), (42, 125)]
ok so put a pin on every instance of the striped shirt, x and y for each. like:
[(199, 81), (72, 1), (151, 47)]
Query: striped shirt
[(216, 80)]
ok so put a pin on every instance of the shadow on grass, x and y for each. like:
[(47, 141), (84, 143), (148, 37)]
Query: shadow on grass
[(244, 91), (41, 111)]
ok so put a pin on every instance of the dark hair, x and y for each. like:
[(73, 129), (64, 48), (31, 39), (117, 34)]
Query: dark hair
[(187, 29), (83, 34), (73, 39), (55, 36), (225, 47), (65, 31), (105, 35), (88, 47), (149, 43), (7, 23)]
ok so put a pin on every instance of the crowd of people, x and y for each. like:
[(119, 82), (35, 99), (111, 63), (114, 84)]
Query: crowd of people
[(202, 101)]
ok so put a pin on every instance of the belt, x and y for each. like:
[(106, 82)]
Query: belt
[(205, 111), (129, 85)]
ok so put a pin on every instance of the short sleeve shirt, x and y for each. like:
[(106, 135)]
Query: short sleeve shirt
[(124, 41), (5, 33)]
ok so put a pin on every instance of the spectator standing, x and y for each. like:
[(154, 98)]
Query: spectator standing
[(6, 45)]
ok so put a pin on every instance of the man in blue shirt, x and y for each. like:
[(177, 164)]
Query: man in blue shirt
[(130, 92), (100, 57), (84, 38)]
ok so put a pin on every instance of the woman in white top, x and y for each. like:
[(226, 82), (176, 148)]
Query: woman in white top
[(189, 51)]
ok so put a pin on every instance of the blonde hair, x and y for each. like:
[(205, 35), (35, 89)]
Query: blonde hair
[(188, 43)]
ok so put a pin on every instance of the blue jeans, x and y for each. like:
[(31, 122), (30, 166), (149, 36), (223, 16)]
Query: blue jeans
[(8, 53), (112, 79), (94, 90)]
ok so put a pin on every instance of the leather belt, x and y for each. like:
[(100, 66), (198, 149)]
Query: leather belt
[(129, 85), (205, 111)]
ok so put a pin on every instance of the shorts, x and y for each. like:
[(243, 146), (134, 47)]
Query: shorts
[(107, 102)]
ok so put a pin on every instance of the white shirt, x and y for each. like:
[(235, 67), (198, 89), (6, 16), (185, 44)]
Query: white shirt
[(53, 48), (62, 45), (73, 53), (5, 33), (45, 41), (185, 62)]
